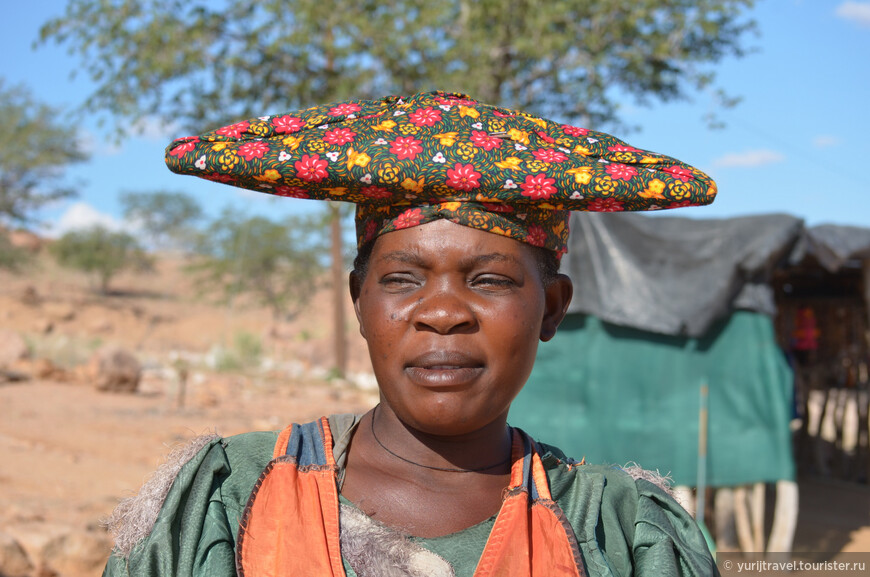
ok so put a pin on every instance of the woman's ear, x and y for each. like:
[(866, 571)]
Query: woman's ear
[(355, 285), (557, 298)]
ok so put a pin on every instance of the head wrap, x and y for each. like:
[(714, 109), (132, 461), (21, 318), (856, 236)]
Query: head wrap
[(405, 161)]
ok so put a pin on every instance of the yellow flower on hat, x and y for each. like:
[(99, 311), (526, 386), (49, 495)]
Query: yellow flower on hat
[(386, 125), (518, 135), (413, 185), (468, 111), (270, 175), (510, 163), (451, 206), (539, 121), (355, 158), (446, 138), (582, 174), (218, 146), (337, 190), (292, 142)]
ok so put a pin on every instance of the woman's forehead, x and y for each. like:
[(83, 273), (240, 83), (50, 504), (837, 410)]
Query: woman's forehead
[(443, 238)]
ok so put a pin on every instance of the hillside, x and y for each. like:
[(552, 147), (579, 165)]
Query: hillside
[(71, 452)]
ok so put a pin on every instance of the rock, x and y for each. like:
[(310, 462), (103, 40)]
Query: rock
[(76, 553), (59, 311), (26, 240), (43, 326), (115, 369), (46, 370), (101, 325), (13, 348), (14, 561), (29, 296)]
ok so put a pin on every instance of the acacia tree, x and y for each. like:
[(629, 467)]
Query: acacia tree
[(276, 264), (200, 65), (100, 252), (168, 218), (35, 150)]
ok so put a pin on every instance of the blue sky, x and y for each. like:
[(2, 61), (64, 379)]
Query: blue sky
[(796, 144)]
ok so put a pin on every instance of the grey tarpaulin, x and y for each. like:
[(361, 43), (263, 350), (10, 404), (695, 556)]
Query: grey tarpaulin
[(834, 245), (671, 275)]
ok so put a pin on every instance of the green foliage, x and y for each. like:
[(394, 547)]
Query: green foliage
[(12, 258), (100, 252), (205, 64), (35, 149), (246, 352), (276, 264), (168, 217)]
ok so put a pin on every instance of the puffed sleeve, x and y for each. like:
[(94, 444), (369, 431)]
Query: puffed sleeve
[(194, 532), (627, 526), (667, 540)]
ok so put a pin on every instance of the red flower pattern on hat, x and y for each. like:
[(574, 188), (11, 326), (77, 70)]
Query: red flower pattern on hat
[(344, 109), (483, 140), (251, 150), (549, 155), (311, 168), (621, 171), (406, 148), (427, 116), (679, 173), (463, 177), (409, 160), (287, 124), (606, 205), (409, 218), (339, 136), (234, 130), (538, 186)]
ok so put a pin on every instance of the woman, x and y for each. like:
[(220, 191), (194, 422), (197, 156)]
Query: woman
[(461, 220)]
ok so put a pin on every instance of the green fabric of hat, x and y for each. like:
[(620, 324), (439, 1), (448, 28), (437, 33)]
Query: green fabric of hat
[(405, 161)]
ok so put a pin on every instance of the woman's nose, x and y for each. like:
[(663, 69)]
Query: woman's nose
[(444, 311)]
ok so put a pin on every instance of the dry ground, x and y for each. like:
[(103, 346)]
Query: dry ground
[(68, 453)]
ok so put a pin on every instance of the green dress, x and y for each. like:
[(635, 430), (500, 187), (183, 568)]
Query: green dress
[(624, 526)]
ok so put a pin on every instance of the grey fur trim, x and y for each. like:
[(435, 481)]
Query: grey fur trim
[(375, 550), (663, 482), (134, 517)]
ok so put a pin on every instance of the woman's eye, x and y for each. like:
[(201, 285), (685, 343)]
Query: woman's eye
[(493, 282), (399, 281)]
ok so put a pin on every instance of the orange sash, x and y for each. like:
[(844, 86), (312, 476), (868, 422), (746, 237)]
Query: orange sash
[(291, 523)]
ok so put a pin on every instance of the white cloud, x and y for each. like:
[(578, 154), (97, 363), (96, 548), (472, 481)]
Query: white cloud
[(82, 215), (825, 141), (94, 145), (150, 128), (749, 158), (858, 12)]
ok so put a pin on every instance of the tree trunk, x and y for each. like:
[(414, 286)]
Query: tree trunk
[(338, 293)]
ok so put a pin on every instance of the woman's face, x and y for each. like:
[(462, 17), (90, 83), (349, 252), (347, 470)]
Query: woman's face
[(452, 317)]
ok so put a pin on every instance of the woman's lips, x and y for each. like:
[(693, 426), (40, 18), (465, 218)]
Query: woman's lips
[(443, 369)]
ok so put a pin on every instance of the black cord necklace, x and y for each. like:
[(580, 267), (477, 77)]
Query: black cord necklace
[(445, 469)]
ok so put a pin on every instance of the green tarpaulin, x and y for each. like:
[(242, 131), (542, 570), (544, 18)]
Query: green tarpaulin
[(616, 395)]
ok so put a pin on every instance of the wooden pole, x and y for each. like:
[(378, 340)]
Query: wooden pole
[(338, 293)]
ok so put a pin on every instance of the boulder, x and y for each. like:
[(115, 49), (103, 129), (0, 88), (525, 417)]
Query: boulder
[(14, 561), (29, 296), (59, 311), (13, 348), (115, 369), (26, 240), (76, 553)]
